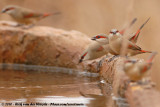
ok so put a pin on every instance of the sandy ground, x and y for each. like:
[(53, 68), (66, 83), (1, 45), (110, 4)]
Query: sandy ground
[(99, 16)]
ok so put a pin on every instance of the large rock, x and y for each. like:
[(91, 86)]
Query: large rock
[(41, 46)]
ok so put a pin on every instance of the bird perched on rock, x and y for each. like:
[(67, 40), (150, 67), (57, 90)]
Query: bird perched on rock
[(134, 37), (25, 16), (93, 51), (136, 69), (116, 40), (103, 39), (104, 43), (113, 44)]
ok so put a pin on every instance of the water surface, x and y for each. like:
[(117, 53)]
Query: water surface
[(51, 88)]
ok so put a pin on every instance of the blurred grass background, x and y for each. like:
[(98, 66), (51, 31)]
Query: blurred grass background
[(99, 16)]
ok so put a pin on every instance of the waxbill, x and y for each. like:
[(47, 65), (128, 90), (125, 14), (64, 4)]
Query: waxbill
[(103, 40), (115, 43), (25, 16), (133, 38), (93, 51), (137, 69)]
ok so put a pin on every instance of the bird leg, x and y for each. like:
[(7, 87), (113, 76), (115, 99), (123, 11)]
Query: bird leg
[(100, 64)]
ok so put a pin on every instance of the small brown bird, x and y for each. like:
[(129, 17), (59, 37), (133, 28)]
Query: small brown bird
[(136, 69), (103, 40), (93, 51), (134, 37), (116, 40), (25, 16)]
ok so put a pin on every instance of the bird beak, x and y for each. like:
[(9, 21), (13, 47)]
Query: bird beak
[(3, 11), (80, 60), (93, 38)]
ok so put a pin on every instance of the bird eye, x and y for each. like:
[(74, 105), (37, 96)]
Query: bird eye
[(98, 37)]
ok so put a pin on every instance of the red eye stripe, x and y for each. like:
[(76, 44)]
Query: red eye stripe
[(10, 8), (100, 37)]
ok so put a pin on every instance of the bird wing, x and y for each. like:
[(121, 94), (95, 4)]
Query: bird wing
[(27, 13), (32, 15), (133, 46), (133, 38)]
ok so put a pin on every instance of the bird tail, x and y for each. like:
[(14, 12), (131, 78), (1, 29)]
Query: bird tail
[(135, 37), (133, 21), (144, 23), (151, 57), (144, 51)]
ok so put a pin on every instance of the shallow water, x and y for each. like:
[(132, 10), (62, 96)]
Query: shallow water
[(32, 88)]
